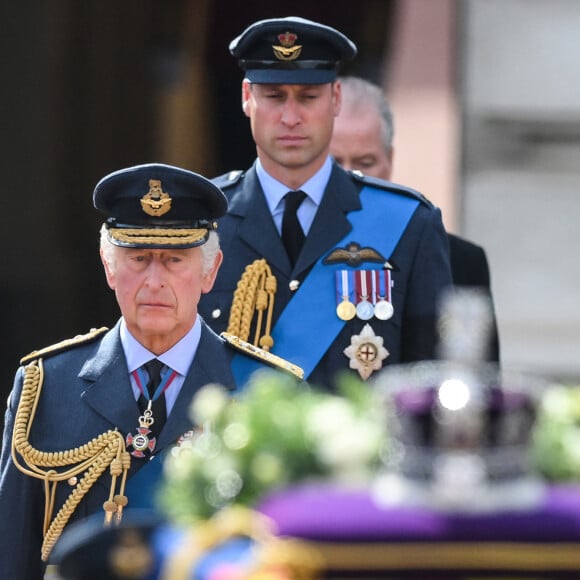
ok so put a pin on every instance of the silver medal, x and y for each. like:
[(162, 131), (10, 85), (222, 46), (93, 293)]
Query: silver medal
[(364, 310), (383, 310)]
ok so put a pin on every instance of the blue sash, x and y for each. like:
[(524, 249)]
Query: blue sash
[(142, 488), (380, 226)]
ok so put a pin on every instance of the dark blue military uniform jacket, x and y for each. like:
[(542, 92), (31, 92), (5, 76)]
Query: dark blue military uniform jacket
[(86, 391), (420, 261)]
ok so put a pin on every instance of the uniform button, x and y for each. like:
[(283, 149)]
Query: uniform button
[(216, 313), (294, 285), (72, 481)]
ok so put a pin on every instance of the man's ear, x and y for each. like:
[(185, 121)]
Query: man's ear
[(110, 275), (208, 279), (246, 96), (390, 155), (336, 89)]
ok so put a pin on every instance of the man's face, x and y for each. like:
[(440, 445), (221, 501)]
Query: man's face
[(291, 124), (357, 145), (158, 291)]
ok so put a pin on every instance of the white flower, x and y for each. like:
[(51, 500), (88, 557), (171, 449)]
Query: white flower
[(209, 403), (351, 449), (236, 436), (329, 418), (229, 483)]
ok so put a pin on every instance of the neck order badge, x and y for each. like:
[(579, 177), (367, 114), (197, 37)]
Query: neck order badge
[(152, 405)]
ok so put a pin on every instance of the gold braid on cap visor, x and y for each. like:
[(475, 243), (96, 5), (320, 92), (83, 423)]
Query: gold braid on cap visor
[(166, 236)]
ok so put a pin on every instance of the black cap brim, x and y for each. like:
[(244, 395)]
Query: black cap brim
[(291, 77)]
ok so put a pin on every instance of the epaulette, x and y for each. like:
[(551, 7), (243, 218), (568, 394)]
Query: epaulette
[(262, 355), (64, 345), (228, 179), (390, 186)]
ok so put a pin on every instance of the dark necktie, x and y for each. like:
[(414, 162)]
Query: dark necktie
[(292, 232), (158, 407)]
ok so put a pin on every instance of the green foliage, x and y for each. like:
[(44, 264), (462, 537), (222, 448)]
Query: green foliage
[(556, 444), (276, 433)]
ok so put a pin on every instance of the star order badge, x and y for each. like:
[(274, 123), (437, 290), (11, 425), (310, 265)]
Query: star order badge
[(366, 352)]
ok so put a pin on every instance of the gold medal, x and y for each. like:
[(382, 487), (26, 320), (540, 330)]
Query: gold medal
[(346, 310)]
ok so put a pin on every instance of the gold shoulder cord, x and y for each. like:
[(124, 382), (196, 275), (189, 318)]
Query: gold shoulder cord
[(105, 451), (254, 293)]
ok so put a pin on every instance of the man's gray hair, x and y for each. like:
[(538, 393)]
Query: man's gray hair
[(209, 250), (358, 94)]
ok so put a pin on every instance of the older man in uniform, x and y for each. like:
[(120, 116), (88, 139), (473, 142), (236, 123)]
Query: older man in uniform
[(358, 263), (89, 417)]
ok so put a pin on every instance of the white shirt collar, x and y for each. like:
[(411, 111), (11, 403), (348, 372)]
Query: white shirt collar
[(274, 190), (179, 357)]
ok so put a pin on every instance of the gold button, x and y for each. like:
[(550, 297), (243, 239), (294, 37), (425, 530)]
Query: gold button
[(72, 481), (216, 313), (294, 284)]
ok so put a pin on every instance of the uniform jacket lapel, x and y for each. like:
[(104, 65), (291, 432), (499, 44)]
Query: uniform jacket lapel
[(109, 390), (257, 228), (209, 366), (331, 223)]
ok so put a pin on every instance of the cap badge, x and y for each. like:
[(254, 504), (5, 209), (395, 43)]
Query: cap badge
[(366, 352), (287, 50), (155, 202)]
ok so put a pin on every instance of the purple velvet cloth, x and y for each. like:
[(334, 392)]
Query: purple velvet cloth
[(333, 515)]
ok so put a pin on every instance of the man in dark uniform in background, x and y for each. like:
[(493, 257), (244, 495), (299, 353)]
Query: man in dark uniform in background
[(362, 140), (94, 412), (357, 279)]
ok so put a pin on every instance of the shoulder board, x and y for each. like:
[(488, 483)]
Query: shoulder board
[(262, 355), (228, 179), (64, 345), (390, 186)]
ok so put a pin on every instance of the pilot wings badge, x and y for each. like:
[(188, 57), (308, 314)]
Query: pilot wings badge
[(355, 255)]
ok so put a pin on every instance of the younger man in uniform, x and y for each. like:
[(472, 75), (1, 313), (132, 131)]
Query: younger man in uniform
[(359, 263)]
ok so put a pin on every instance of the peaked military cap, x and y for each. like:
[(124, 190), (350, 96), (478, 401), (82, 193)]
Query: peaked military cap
[(87, 550), (159, 206), (291, 50)]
